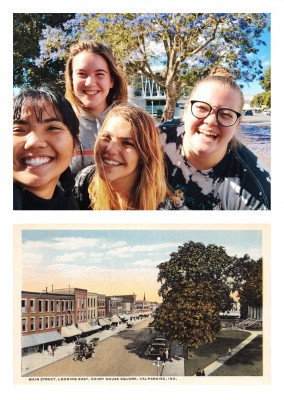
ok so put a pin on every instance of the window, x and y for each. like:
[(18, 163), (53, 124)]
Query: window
[(46, 304), (72, 305), (63, 320), (32, 324), (40, 325), (58, 305), (88, 301), (24, 306), (63, 305), (24, 325), (58, 321), (85, 314), (78, 302), (82, 303), (78, 316), (40, 305), (32, 305), (82, 315), (46, 322), (67, 305), (53, 322), (52, 305), (72, 319), (85, 302)]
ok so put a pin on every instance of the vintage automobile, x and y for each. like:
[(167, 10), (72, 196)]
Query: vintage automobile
[(83, 350), (157, 349)]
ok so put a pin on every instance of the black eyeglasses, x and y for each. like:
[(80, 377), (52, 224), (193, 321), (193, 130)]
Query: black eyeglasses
[(225, 116)]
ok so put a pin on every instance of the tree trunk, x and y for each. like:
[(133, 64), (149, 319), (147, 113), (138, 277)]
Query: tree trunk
[(170, 103)]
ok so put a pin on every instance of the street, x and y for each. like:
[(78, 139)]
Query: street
[(120, 355)]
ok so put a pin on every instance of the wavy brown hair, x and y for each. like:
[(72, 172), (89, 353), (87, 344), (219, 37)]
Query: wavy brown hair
[(117, 94), (151, 188)]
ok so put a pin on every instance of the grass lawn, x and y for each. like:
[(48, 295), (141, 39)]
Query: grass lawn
[(247, 362), (207, 353)]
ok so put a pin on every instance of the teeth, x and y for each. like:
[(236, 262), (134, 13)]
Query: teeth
[(110, 162), (37, 161), (91, 93), (208, 133)]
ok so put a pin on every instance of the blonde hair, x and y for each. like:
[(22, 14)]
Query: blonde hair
[(117, 94), (151, 188), (223, 76)]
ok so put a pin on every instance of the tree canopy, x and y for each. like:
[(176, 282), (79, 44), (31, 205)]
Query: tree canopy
[(27, 32), (195, 289), (264, 99), (182, 43), (196, 286)]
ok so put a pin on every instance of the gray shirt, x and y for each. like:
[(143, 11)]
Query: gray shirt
[(90, 126)]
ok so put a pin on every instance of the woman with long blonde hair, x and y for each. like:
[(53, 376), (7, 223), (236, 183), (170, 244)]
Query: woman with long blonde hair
[(129, 169)]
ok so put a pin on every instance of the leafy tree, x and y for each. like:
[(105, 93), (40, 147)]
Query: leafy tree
[(27, 30), (250, 292), (195, 289), (264, 98), (185, 43), (258, 100)]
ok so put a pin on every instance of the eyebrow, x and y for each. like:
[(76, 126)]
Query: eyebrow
[(45, 121), (97, 70), (120, 138)]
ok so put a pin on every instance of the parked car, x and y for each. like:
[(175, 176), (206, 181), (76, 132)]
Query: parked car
[(248, 112), (156, 349), (266, 112)]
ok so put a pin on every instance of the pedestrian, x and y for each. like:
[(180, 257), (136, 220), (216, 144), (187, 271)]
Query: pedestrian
[(198, 372), (150, 331), (49, 350), (229, 351), (167, 353), (203, 373), (53, 349)]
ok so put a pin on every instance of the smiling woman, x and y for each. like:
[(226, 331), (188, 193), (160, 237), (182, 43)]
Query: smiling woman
[(94, 85), (206, 165), (129, 168), (45, 134)]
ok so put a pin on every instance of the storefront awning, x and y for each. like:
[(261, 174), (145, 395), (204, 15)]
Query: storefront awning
[(104, 322), (40, 338), (70, 330), (85, 327), (115, 318)]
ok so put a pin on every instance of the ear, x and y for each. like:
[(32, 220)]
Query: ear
[(111, 84)]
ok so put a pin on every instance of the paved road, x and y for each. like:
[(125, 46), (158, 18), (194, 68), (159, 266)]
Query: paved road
[(120, 355), (257, 119)]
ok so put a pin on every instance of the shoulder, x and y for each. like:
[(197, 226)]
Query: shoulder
[(82, 182), (256, 177), (17, 197)]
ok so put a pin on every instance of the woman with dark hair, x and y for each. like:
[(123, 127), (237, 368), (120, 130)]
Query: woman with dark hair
[(94, 85), (129, 169), (45, 136), (206, 165)]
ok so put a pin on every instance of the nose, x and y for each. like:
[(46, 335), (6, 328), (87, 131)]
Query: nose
[(89, 81), (112, 147), (212, 118), (35, 140)]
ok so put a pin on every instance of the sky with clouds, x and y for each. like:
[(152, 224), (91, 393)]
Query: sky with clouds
[(116, 261)]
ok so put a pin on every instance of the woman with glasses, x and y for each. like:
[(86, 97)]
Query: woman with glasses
[(206, 165)]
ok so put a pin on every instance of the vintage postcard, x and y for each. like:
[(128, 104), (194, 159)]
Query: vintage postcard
[(142, 304)]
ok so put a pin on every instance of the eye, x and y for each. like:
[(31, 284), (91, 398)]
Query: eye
[(128, 143), (18, 129)]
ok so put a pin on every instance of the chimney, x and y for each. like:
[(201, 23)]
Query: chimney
[(52, 289), (46, 289)]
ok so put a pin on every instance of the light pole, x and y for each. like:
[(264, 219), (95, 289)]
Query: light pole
[(158, 363)]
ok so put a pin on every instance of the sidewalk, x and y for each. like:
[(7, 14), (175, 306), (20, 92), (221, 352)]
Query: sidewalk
[(174, 366), (34, 361), (217, 364)]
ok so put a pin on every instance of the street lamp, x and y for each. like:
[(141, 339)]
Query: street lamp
[(158, 363)]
